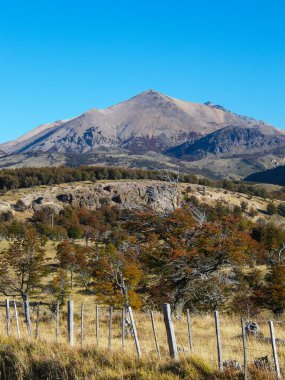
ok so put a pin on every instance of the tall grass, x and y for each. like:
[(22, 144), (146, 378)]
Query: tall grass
[(27, 358), (38, 360)]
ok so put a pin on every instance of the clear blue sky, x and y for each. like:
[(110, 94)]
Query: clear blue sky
[(58, 58)]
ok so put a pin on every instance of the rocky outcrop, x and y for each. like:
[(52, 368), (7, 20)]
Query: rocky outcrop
[(159, 196)]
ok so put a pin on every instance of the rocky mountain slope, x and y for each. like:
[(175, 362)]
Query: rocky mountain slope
[(145, 127), (231, 141)]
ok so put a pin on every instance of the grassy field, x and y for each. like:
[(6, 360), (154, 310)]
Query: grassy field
[(122, 363), (33, 361)]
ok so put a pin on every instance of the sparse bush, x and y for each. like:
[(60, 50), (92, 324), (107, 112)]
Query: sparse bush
[(281, 209), (20, 206), (271, 208), (243, 206)]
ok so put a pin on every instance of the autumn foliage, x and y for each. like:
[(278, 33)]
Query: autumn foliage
[(197, 257)]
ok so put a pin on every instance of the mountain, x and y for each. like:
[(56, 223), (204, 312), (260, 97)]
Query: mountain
[(144, 130)]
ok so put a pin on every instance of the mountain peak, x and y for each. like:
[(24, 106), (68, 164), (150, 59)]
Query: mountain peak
[(152, 97), (151, 94)]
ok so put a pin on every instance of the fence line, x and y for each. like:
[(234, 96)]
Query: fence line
[(124, 330), (16, 318), (57, 322), (155, 335), (70, 322), (37, 320), (170, 331), (189, 330), (274, 349), (82, 325), (123, 325), (8, 318), (219, 342)]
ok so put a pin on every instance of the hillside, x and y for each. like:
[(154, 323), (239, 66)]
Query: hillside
[(113, 246), (152, 130)]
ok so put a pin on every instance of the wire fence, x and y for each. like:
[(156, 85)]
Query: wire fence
[(149, 334)]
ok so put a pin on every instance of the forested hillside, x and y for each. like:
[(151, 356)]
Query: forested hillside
[(158, 257), (275, 176)]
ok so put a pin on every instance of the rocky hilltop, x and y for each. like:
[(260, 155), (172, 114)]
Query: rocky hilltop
[(140, 194), (159, 196)]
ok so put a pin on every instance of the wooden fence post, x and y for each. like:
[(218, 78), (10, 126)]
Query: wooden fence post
[(138, 348), (28, 318), (154, 334), (37, 320), (8, 316), (189, 331), (170, 331), (123, 327), (82, 325), (219, 342), (274, 350), (244, 349), (97, 325), (70, 310), (57, 322), (110, 328), (17, 319)]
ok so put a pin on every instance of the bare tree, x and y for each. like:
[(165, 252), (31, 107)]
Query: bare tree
[(117, 273), (198, 214), (173, 179), (280, 251)]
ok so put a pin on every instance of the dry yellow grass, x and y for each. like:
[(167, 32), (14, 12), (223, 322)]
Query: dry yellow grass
[(203, 331), (23, 360)]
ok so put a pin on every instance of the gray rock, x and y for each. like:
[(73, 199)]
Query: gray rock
[(232, 364)]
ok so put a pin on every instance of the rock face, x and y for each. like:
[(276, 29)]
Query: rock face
[(159, 196)]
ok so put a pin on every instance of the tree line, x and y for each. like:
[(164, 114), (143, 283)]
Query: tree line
[(11, 179), (275, 176)]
